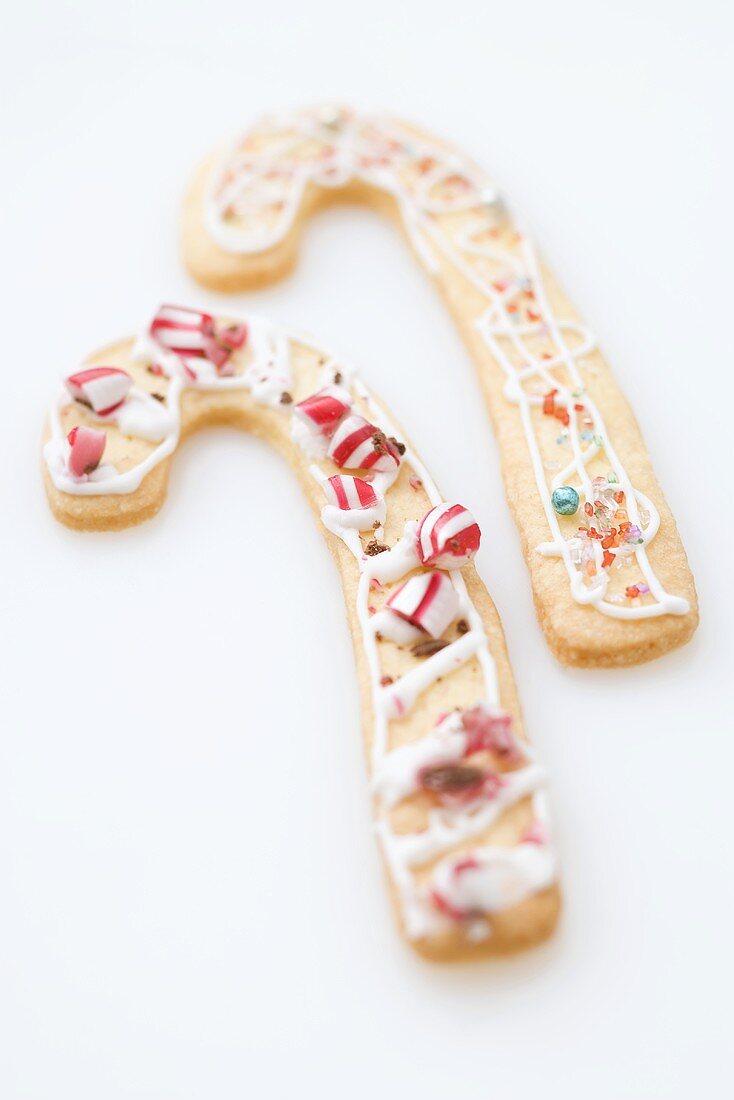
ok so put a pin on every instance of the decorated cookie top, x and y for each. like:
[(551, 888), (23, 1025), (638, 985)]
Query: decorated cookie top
[(456, 774)]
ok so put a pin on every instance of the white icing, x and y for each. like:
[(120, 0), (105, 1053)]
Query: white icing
[(395, 563), (382, 153), (142, 416), (394, 629), (268, 375), (312, 442), (399, 698), (357, 519)]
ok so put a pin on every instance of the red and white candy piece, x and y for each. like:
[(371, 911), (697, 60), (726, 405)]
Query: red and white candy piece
[(447, 900), (102, 389), (448, 537), (490, 730), (493, 878), (181, 330), (87, 446), (224, 340), (348, 493), (427, 601), (189, 333), (324, 410), (359, 445)]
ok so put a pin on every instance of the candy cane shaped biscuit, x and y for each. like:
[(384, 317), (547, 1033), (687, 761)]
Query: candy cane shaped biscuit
[(610, 578), (459, 799)]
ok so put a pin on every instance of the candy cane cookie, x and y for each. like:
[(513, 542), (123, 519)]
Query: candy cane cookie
[(459, 798), (610, 578)]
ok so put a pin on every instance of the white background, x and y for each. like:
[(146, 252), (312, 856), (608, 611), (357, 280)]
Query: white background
[(191, 903)]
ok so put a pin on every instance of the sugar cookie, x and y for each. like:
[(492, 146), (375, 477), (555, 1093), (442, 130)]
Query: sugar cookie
[(459, 800), (610, 578)]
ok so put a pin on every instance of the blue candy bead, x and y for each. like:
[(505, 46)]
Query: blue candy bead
[(565, 500)]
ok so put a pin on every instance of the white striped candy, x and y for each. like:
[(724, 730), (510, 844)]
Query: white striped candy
[(181, 330), (448, 537), (103, 389), (349, 492), (324, 410), (428, 601), (192, 334), (359, 445)]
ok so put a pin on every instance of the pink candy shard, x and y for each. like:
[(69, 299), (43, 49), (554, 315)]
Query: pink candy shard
[(348, 493), (324, 410), (102, 389), (87, 446), (359, 445), (448, 537), (468, 862), (219, 345), (427, 601)]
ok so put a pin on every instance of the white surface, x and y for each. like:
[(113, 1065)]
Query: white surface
[(191, 904)]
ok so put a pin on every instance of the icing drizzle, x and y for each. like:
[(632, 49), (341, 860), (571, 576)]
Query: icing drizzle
[(452, 213)]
